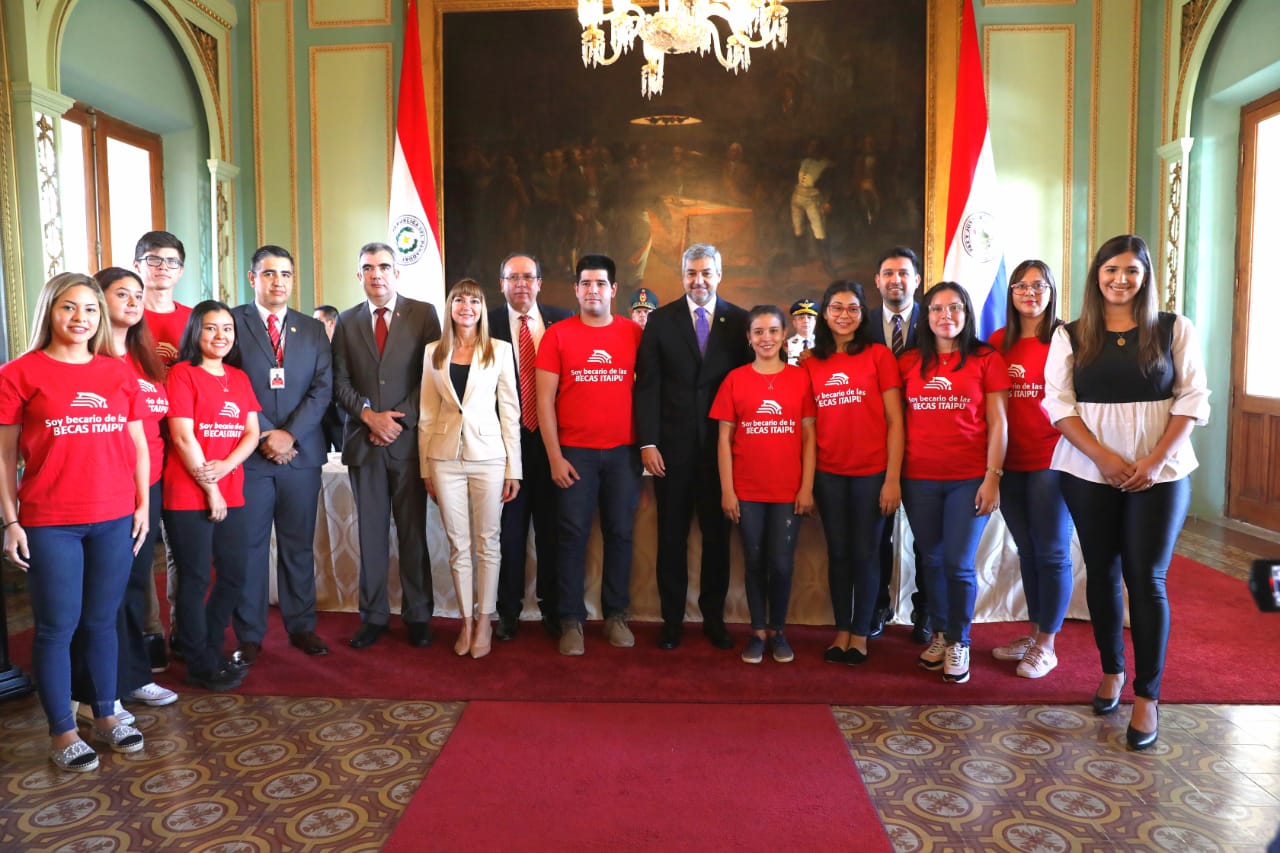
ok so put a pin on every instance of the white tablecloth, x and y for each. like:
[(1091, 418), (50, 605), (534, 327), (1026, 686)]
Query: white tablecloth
[(337, 567)]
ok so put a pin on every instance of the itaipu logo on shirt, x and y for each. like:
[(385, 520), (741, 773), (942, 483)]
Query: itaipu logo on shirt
[(599, 356), (1021, 387), (1017, 371), (168, 352), (147, 387), (944, 400), (229, 410), (769, 407), (841, 393), (88, 400), (768, 420), (600, 369), (837, 379)]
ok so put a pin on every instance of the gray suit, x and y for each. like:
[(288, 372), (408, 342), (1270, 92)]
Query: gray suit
[(385, 480), (283, 494)]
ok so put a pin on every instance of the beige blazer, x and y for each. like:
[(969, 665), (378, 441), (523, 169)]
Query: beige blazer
[(484, 425)]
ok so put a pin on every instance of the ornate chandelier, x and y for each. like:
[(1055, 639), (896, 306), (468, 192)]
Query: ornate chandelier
[(680, 26)]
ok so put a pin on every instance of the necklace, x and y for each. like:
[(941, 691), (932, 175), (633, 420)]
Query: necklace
[(224, 381), (1120, 339)]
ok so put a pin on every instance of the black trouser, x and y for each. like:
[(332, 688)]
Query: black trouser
[(197, 544), (536, 500), (692, 487), (919, 598), (1128, 537)]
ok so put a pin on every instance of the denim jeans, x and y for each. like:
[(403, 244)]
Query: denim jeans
[(947, 531), (77, 577), (769, 533), (608, 479), (198, 543), (1036, 515), (1128, 537), (851, 519)]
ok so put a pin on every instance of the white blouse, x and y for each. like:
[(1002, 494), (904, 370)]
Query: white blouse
[(1130, 429)]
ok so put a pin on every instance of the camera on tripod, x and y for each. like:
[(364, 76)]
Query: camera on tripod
[(1264, 583)]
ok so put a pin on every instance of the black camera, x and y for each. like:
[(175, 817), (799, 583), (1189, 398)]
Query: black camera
[(1264, 583)]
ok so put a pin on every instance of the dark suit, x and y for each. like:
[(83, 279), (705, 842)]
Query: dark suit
[(385, 480), (675, 386), (874, 321), (536, 498), (284, 494)]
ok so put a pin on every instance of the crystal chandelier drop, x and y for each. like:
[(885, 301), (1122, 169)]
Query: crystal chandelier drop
[(679, 26)]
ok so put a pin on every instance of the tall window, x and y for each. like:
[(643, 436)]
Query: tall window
[(112, 185)]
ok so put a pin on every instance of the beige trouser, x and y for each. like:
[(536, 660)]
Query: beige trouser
[(470, 498)]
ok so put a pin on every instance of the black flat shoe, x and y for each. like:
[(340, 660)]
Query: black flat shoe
[(835, 654), (669, 637), (853, 657)]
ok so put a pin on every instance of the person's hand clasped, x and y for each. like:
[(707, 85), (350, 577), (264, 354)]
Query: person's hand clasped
[(1140, 476)]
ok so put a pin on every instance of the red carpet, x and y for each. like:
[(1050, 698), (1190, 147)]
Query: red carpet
[(600, 776), (1214, 622)]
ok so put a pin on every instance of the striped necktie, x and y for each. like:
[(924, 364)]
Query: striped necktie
[(528, 393)]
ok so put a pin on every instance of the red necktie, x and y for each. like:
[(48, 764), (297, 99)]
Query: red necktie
[(273, 332), (528, 393), (380, 330)]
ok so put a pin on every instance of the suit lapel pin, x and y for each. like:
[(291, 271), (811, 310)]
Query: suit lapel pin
[(721, 319), (292, 330)]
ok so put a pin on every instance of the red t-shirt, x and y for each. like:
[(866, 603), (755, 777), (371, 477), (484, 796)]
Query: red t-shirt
[(597, 370), (767, 444), (849, 393), (947, 415), (1032, 437), (157, 401), (219, 413), (78, 452), (167, 329)]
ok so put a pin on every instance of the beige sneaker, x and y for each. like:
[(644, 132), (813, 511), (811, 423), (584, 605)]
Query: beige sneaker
[(571, 637), (617, 632), (1016, 650), (1038, 662)]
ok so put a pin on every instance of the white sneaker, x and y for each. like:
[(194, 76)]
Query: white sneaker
[(1016, 650), (931, 658), (1038, 663), (955, 668), (85, 712), (153, 694)]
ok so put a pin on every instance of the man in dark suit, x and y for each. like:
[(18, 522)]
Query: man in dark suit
[(689, 345), (287, 357), (520, 316), (377, 377), (894, 325), (335, 419)]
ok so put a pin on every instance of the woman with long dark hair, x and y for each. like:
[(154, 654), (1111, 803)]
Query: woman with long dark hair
[(73, 412), (1030, 495), (955, 388), (1125, 385), (858, 393), (213, 427)]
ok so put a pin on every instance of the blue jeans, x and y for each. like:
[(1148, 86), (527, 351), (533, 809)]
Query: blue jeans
[(769, 535), (77, 577), (198, 543), (947, 531), (608, 479), (1128, 537), (851, 518), (1036, 515)]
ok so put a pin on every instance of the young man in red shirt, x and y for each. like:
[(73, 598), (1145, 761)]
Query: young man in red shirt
[(159, 259), (586, 374)]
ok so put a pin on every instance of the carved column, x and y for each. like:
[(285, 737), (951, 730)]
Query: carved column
[(45, 107), (1175, 157), (222, 176)]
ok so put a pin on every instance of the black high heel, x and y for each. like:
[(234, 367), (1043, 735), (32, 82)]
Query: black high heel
[(1103, 705), (1140, 740)]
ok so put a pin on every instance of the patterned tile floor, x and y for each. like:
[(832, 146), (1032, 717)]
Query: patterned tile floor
[(241, 774)]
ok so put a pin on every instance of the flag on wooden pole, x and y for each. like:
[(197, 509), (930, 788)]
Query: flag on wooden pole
[(975, 251), (412, 219)]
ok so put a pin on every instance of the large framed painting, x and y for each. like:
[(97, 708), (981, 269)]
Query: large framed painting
[(801, 170)]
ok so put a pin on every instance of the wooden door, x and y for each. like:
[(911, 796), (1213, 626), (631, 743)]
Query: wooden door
[(1253, 490)]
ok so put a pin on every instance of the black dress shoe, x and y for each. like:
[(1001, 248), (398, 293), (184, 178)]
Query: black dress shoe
[(920, 631), (420, 634), (878, 620), (220, 681), (367, 635), (853, 657), (670, 636), (157, 652), (507, 629), (248, 653), (718, 634), (309, 643), (1140, 740)]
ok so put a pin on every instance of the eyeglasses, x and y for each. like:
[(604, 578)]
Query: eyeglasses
[(156, 262), (1031, 287), (841, 310), (527, 278), (954, 308)]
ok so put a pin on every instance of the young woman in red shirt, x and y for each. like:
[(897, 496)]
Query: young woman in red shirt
[(1030, 493), (766, 456), (858, 394), (956, 388), (213, 427), (73, 413)]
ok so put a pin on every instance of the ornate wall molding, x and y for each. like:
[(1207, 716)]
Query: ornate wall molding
[(1175, 155), (222, 179)]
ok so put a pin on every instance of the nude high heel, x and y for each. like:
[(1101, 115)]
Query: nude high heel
[(463, 645), (482, 641)]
